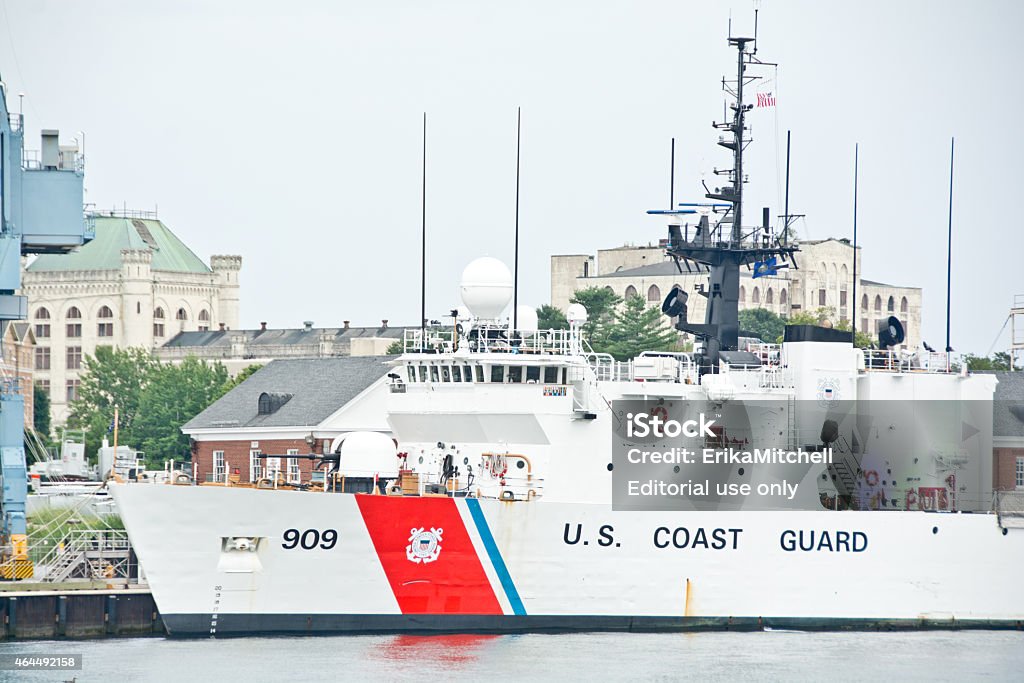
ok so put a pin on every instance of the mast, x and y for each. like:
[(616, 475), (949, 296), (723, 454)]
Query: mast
[(724, 254)]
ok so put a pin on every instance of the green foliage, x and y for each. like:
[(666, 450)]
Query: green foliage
[(245, 374), (861, 340), (551, 318), (396, 348), (174, 395), (600, 303), (637, 328), (154, 400), (1000, 360), (111, 377), (41, 413), (762, 323)]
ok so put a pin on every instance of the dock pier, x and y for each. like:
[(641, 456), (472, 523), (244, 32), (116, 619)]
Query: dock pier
[(88, 613)]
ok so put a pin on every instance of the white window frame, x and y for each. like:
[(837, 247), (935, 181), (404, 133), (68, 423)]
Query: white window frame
[(1020, 472), (219, 473), (293, 475), (255, 467)]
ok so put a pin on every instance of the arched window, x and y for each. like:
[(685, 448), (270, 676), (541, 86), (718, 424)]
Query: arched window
[(42, 327), (891, 306), (769, 298), (105, 326), (653, 293), (878, 303), (630, 292), (181, 314), (204, 316), (743, 294), (73, 329), (782, 298), (73, 313), (864, 302), (756, 299), (158, 322), (903, 306)]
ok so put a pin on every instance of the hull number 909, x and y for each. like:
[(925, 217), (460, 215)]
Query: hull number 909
[(310, 539)]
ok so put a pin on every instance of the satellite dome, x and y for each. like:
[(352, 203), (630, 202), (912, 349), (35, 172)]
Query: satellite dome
[(486, 287), (526, 319), (576, 314)]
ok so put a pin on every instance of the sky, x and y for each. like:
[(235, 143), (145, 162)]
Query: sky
[(290, 133)]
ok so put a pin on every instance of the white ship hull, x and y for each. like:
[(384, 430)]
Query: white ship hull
[(217, 562)]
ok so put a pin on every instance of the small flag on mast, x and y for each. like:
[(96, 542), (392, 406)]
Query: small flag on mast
[(765, 99)]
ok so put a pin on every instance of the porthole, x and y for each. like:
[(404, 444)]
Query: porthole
[(610, 467), (935, 529), (520, 464)]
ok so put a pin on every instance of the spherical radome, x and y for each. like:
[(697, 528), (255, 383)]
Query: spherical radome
[(576, 314), (526, 319), (486, 287)]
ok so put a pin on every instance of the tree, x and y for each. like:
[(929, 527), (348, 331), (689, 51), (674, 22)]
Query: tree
[(396, 348), (762, 323), (637, 328), (41, 413), (111, 377), (999, 361), (862, 340), (600, 303), (173, 396), (551, 318), (245, 374)]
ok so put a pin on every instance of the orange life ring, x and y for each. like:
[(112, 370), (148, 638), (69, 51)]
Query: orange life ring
[(871, 478)]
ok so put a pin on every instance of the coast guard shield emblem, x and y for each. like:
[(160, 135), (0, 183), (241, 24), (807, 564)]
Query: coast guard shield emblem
[(424, 546)]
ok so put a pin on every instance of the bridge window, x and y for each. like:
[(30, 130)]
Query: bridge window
[(457, 373), (423, 373), (497, 374), (433, 373), (478, 373), (467, 373), (532, 374), (515, 374), (446, 373), (551, 375)]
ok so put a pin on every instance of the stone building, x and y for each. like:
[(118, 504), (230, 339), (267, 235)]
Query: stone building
[(136, 284), (824, 279), (238, 349)]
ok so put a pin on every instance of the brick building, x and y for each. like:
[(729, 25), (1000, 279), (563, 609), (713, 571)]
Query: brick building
[(289, 407), (18, 355), (1008, 432)]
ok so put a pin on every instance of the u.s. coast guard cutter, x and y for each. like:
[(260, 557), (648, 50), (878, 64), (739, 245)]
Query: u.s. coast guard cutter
[(494, 510)]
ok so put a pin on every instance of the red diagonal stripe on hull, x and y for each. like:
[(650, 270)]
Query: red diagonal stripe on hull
[(454, 583)]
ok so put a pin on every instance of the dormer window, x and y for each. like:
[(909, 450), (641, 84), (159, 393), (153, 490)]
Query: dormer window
[(271, 402)]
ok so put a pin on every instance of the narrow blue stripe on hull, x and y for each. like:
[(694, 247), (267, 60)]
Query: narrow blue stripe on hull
[(492, 551)]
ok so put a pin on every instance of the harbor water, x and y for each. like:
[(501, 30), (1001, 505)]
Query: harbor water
[(767, 656)]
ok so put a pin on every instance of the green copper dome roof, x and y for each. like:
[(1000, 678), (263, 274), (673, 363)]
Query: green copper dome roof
[(114, 234)]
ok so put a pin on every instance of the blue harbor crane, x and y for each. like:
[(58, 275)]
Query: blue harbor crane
[(41, 212)]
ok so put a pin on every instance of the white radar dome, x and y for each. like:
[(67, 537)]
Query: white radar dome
[(576, 314), (486, 287), (526, 319), (366, 454)]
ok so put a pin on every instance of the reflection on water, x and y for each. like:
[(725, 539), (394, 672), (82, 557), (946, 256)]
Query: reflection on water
[(455, 649)]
